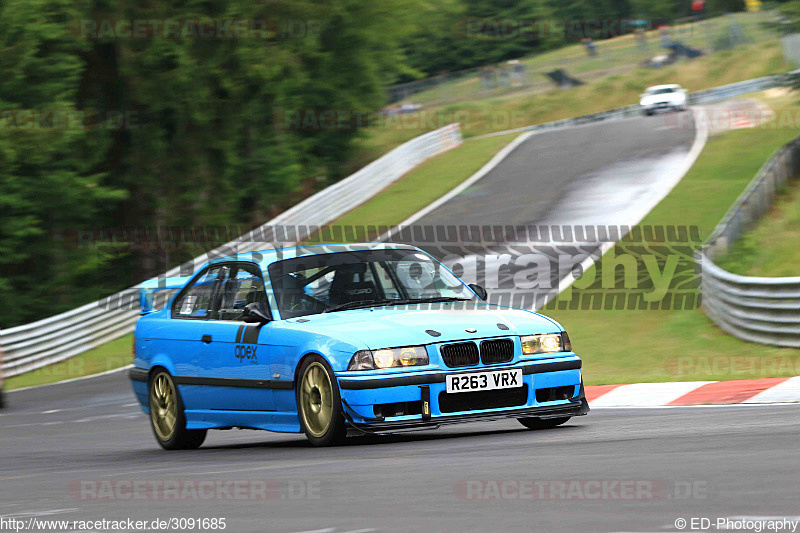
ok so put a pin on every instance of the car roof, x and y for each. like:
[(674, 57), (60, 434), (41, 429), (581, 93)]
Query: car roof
[(270, 255), (667, 86)]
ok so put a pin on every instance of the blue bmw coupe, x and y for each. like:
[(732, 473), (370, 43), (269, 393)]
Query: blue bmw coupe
[(331, 339)]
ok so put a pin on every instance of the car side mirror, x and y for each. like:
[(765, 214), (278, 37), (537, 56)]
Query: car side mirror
[(480, 291), (255, 313)]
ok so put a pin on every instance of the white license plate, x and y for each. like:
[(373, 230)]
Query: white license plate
[(479, 381)]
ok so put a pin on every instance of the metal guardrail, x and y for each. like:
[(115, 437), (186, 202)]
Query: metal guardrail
[(44, 342), (38, 344), (737, 89), (756, 309)]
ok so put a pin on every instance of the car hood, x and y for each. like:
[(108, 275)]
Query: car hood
[(387, 327)]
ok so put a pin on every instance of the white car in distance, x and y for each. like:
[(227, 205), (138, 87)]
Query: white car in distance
[(664, 98)]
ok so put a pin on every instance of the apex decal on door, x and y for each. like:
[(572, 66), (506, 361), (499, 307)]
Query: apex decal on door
[(246, 353), (246, 339)]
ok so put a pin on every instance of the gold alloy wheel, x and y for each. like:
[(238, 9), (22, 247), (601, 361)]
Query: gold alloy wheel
[(163, 407), (316, 399)]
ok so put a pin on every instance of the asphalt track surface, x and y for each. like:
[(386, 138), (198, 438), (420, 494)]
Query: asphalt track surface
[(592, 168), (600, 175), (688, 462)]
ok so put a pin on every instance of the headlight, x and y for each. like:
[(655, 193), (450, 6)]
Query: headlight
[(389, 358), (547, 343)]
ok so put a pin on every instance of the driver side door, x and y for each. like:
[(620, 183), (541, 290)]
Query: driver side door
[(232, 371)]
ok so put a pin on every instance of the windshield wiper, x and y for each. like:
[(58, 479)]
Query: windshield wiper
[(357, 305), (437, 299)]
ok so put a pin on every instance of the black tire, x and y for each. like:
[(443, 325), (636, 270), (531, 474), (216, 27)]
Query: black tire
[(319, 403), (2, 399), (543, 423), (165, 403), (647, 112)]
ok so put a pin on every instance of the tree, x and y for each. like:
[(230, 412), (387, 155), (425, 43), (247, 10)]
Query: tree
[(51, 180), (202, 140), (454, 35)]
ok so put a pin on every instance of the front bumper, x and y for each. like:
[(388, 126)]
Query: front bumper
[(663, 106), (361, 396), (574, 408)]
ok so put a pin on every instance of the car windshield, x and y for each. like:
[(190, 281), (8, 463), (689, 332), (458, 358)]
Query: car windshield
[(663, 90), (346, 280)]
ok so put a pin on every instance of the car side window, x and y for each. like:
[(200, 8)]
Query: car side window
[(242, 285), (196, 300)]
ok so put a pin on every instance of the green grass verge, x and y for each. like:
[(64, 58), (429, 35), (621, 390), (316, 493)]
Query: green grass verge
[(619, 55), (770, 249), (654, 346), (479, 116), (109, 356)]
